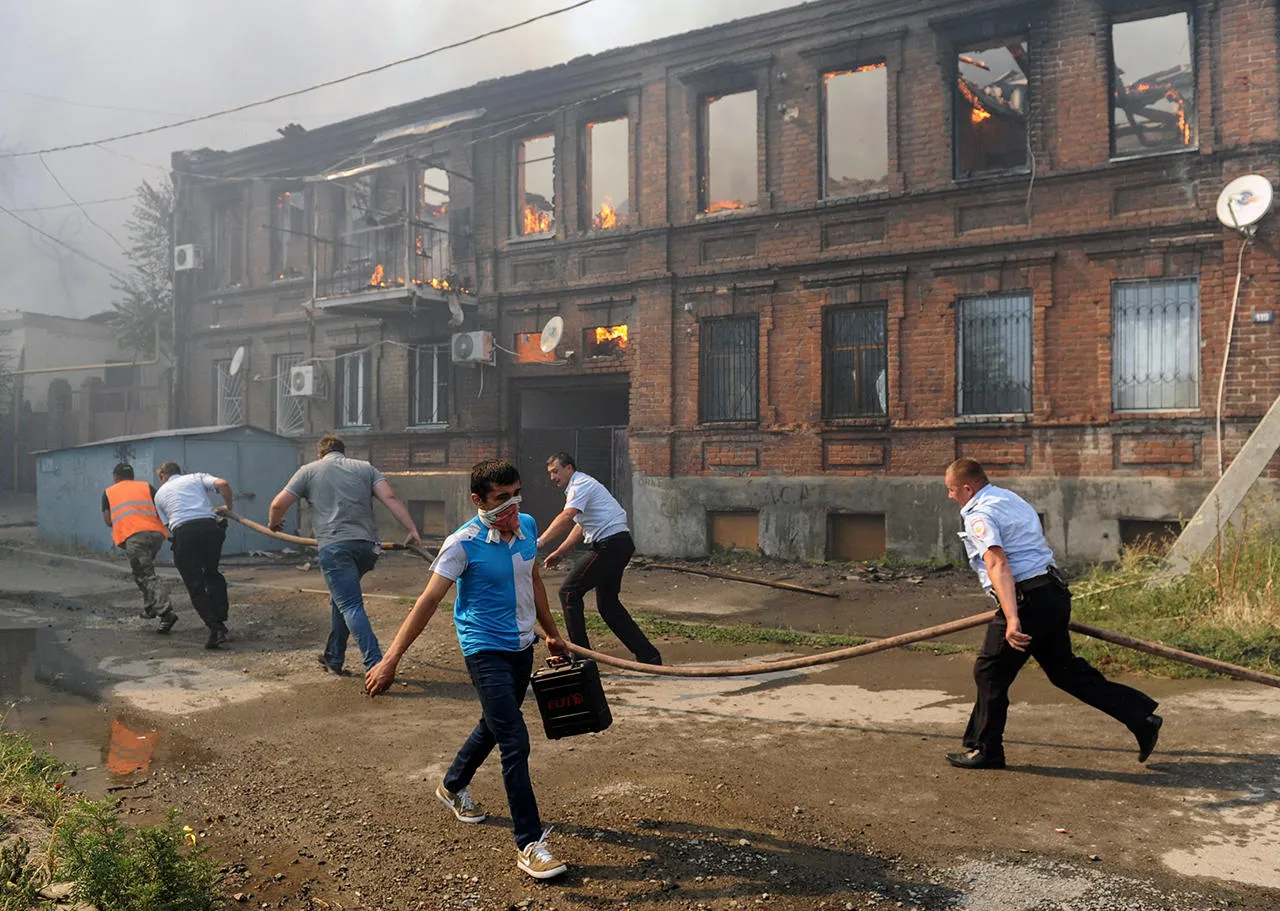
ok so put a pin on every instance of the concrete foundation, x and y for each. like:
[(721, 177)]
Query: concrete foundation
[(1081, 515)]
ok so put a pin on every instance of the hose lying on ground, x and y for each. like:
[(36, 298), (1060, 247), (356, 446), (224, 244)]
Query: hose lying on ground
[(857, 651)]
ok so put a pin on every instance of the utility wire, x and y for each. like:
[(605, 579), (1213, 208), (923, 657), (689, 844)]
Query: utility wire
[(61, 243), (76, 205), (83, 210), (302, 91), (112, 107)]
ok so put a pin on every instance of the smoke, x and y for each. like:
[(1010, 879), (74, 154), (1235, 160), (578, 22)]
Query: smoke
[(139, 64)]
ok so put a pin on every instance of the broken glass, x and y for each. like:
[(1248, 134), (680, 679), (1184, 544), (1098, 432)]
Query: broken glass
[(856, 138), (992, 102), (609, 177), (1153, 86), (730, 157), (535, 185)]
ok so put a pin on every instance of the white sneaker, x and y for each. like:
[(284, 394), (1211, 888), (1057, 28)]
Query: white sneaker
[(461, 803), (537, 860)]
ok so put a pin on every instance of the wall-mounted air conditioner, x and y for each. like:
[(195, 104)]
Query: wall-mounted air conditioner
[(302, 380), (187, 257), (472, 348)]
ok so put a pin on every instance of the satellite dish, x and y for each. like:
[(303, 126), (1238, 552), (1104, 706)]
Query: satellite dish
[(237, 361), (1244, 201), (551, 334)]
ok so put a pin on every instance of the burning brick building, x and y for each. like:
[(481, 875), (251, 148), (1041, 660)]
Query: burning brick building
[(802, 261)]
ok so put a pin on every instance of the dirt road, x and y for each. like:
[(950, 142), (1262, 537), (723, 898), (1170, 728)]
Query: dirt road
[(822, 789)]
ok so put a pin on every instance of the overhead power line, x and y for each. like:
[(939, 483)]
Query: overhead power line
[(75, 205), (302, 91), (83, 210), (61, 243)]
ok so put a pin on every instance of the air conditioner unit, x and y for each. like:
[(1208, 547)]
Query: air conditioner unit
[(302, 380), (472, 348), (187, 256)]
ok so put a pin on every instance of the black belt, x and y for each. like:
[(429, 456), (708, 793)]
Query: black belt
[(1030, 585)]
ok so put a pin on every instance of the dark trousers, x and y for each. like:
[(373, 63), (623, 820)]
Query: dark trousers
[(1044, 614), (602, 570), (197, 548), (501, 679)]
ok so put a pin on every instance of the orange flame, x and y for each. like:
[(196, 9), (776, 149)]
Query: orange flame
[(418, 244), (607, 217), (978, 112), (535, 221), (378, 272), (866, 67), (722, 205), (612, 334)]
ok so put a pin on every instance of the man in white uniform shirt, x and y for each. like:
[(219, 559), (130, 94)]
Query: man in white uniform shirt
[(196, 536), (599, 521)]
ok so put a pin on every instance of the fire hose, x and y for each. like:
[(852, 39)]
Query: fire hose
[(857, 651)]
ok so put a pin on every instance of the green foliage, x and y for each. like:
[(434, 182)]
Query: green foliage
[(30, 781), (1227, 607), (132, 870), (146, 293), (19, 879)]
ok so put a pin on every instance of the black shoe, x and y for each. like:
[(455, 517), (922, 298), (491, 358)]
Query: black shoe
[(148, 613), (975, 759), (217, 636), (1147, 736), (655, 659), (167, 620), (329, 668)]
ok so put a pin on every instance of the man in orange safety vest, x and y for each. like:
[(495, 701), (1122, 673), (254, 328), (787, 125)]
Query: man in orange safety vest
[(129, 509)]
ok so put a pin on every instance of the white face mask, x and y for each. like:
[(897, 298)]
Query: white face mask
[(487, 516)]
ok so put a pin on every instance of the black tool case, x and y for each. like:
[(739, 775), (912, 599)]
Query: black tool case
[(570, 698)]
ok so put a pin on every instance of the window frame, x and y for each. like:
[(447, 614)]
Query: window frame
[(956, 47), (441, 393), (282, 236), (586, 172), (281, 401), (364, 387), (1194, 344), (1029, 295), (829, 314), (1153, 10), (706, 328), (221, 379), (702, 175), (880, 60), (517, 183)]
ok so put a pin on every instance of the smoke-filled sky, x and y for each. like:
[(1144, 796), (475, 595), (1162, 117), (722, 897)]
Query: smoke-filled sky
[(76, 71)]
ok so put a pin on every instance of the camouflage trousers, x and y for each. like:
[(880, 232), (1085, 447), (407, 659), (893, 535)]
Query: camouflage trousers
[(142, 548)]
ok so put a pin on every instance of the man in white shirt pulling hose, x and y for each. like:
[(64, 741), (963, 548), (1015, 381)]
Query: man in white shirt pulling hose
[(196, 535), (599, 521)]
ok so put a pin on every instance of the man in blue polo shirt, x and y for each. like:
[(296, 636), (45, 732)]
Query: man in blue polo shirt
[(1006, 548), (493, 560)]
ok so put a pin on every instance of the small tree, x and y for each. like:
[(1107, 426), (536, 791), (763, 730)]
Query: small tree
[(146, 292)]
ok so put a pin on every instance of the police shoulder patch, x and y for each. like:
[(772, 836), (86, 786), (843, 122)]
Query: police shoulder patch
[(979, 527)]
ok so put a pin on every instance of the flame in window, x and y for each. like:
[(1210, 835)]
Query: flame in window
[(606, 340), (607, 217), (535, 221), (723, 205), (376, 278), (978, 113)]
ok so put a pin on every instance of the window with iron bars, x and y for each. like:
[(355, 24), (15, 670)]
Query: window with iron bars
[(229, 401), (355, 389), (290, 410), (1155, 344), (729, 369), (993, 362), (429, 380), (855, 361)]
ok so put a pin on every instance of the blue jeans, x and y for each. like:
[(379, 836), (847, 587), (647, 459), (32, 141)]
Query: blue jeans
[(343, 564), (501, 679)]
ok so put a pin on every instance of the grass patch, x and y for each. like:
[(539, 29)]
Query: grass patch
[(745, 634), (51, 836), (1227, 607)]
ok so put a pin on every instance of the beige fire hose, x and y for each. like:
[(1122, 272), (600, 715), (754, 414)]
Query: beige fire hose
[(311, 542), (857, 651)]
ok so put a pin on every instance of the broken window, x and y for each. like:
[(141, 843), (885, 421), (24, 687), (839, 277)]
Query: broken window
[(535, 201), (1155, 344), (992, 103), (228, 243), (729, 369), (289, 235), (604, 341), (1153, 86), (994, 362), (729, 166), (431, 230), (229, 394), (429, 380), (608, 177), (855, 361), (355, 388), (856, 131)]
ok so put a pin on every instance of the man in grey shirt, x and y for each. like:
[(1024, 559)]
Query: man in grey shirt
[(341, 492)]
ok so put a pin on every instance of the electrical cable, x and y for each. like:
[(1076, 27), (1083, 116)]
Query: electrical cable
[(83, 211), (61, 243), (76, 205), (302, 91)]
